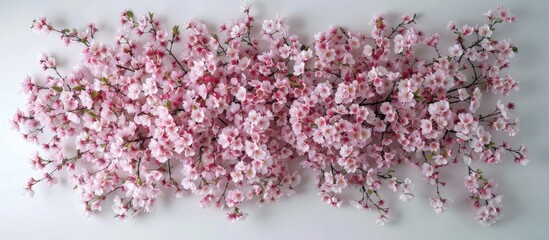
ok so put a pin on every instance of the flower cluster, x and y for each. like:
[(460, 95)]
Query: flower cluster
[(224, 117)]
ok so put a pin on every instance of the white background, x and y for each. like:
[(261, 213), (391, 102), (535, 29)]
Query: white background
[(55, 213)]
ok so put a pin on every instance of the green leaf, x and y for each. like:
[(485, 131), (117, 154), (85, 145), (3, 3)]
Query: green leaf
[(104, 79), (418, 97), (92, 114), (313, 125), (78, 88), (295, 84), (129, 13), (304, 48), (214, 36), (169, 105), (151, 15), (175, 30), (57, 88), (515, 49), (341, 29), (94, 94)]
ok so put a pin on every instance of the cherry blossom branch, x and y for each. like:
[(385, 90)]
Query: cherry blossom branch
[(225, 115)]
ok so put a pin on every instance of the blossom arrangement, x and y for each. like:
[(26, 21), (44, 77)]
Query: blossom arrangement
[(230, 117)]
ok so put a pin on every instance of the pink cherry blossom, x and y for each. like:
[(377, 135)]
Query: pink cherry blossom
[(440, 204), (229, 115), (427, 170), (455, 51), (485, 31)]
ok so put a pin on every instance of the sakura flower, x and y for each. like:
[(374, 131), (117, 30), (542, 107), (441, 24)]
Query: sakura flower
[(228, 116), (73, 117), (253, 117), (28, 192), (522, 160), (340, 183), (284, 51), (406, 187), (235, 31), (357, 204), (405, 197), (427, 170), (367, 51), (161, 36), (393, 184), (386, 108), (85, 99), (440, 160), (440, 204), (234, 197), (455, 51), (237, 215), (471, 182), (41, 25), (197, 115), (485, 31), (133, 91), (323, 89), (451, 26), (467, 30), (346, 150), (383, 219), (150, 87), (47, 61), (475, 100), (463, 94), (426, 126), (299, 68)]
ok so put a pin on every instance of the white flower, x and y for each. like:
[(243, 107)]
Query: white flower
[(345, 150), (485, 31), (73, 117), (269, 26), (427, 170), (455, 51), (383, 219), (299, 68), (440, 204), (28, 192), (405, 197), (367, 52), (236, 30), (197, 115)]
